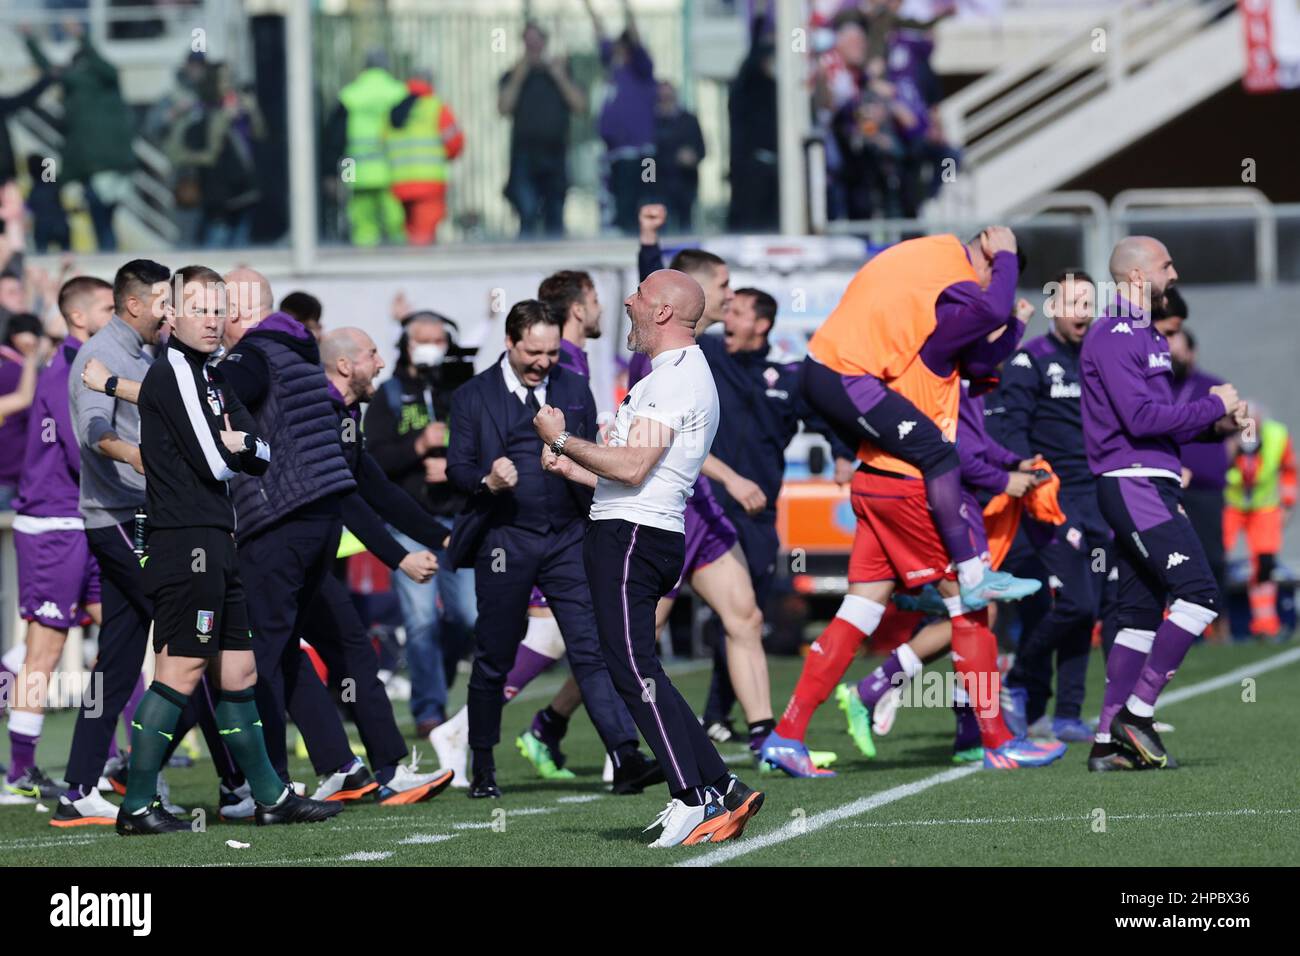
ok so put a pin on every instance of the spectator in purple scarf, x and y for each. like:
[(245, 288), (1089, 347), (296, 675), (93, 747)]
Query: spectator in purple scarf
[(627, 120)]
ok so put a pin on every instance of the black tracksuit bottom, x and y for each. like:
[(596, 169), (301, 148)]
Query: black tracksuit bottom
[(630, 567)]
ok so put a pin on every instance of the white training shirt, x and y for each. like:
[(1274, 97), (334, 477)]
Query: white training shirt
[(679, 392)]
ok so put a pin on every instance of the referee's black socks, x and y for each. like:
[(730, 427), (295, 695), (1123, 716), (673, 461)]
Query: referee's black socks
[(241, 730), (152, 729)]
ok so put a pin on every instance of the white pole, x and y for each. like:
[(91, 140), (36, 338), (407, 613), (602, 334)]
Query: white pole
[(792, 113), (302, 152)]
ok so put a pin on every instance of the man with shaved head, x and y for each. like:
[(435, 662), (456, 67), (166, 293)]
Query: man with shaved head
[(1132, 430), (635, 547), (248, 302)]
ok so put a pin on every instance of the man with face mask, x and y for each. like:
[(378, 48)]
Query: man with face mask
[(406, 430)]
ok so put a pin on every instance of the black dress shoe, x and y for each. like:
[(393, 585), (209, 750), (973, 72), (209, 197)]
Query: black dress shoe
[(153, 819), (636, 772), (295, 809), (484, 786)]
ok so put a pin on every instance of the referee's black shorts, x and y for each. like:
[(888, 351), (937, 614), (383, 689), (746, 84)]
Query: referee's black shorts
[(192, 576)]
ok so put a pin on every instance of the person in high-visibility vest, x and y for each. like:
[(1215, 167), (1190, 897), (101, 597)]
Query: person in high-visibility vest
[(374, 213), (1258, 500), (422, 139)]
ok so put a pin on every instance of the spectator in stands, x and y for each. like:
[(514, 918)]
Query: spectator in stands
[(355, 141), (422, 140), (751, 112), (539, 97), (44, 200), (219, 145), (20, 358), (937, 160), (1205, 464), (306, 309), (882, 19), (177, 109), (98, 132), (627, 120), (13, 241), (9, 105), (407, 433), (679, 148)]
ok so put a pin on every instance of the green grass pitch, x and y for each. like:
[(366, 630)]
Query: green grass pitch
[(1234, 800)]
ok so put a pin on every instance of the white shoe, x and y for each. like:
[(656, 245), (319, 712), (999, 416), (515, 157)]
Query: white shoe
[(112, 766), (687, 825), (237, 804), (91, 809), (607, 775), (408, 786), (351, 783), (450, 743), (10, 799), (883, 714)]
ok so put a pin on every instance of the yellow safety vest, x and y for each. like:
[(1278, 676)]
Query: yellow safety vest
[(1266, 492), (416, 153), (369, 99)]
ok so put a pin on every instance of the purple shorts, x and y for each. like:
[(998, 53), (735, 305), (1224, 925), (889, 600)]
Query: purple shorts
[(58, 577), (537, 598), (709, 532)]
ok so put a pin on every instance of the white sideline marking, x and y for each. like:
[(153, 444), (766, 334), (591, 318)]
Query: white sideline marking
[(863, 805), (521, 812), (366, 856), (419, 839), (1230, 678), (1063, 818), (580, 798), (820, 820)]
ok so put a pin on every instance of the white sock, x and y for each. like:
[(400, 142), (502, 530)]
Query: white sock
[(543, 637), (862, 613), (24, 722), (911, 663), (954, 606), (1138, 707), (970, 572), (14, 657)]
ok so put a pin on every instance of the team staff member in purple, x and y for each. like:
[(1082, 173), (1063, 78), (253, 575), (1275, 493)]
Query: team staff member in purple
[(523, 527), (1131, 433), (58, 579), (195, 435), (1042, 415), (634, 546)]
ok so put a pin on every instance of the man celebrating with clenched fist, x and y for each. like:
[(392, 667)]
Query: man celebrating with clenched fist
[(524, 526)]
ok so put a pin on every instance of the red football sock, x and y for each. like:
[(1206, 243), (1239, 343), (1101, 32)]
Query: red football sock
[(829, 658), (975, 659)]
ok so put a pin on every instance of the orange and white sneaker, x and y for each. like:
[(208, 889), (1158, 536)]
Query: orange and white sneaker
[(742, 804), (407, 786), (684, 825), (351, 783), (90, 810)]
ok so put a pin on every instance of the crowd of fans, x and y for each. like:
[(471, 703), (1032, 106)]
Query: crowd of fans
[(389, 141)]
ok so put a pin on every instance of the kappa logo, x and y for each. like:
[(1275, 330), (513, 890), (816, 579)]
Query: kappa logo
[(1022, 360), (49, 609), (1054, 370), (905, 429), (816, 648), (771, 376), (1075, 537), (1121, 327), (1175, 559), (203, 622)]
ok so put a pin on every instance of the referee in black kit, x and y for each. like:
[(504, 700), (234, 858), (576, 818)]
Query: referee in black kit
[(195, 436), (634, 546)]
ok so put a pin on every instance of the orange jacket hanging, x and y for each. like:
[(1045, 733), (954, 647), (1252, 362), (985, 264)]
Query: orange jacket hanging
[(1002, 514)]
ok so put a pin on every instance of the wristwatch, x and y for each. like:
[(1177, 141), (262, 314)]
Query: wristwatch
[(110, 386), (250, 443), (557, 446)]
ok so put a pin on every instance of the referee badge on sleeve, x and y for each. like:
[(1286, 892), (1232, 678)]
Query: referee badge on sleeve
[(203, 623)]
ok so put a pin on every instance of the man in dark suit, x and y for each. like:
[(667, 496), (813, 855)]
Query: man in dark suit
[(522, 527)]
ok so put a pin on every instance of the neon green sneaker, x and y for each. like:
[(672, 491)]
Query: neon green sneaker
[(539, 755), (969, 755), (858, 717), (821, 759)]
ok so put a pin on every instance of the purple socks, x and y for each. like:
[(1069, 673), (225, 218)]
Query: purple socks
[(1123, 667), (878, 683), (944, 494), (528, 664), (1167, 652)]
